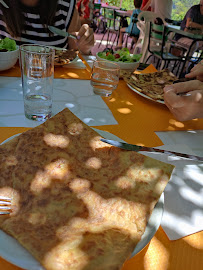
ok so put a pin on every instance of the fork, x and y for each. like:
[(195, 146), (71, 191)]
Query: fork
[(5, 205)]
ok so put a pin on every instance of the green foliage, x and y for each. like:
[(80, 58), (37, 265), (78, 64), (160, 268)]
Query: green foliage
[(180, 7), (113, 3), (126, 4)]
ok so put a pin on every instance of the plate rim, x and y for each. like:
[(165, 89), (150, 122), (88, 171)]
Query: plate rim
[(144, 95), (144, 241)]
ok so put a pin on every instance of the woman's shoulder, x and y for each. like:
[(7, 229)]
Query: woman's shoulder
[(195, 8), (193, 11)]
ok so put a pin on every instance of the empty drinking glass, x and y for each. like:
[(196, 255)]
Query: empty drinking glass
[(104, 77), (37, 72)]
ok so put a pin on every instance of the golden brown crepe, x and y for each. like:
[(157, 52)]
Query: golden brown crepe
[(151, 84), (81, 203)]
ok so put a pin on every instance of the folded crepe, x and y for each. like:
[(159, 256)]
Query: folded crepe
[(78, 203)]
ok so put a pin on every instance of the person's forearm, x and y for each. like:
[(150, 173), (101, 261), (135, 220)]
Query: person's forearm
[(193, 25)]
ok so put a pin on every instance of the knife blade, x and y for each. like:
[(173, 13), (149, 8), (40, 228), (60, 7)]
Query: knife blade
[(137, 148), (4, 4), (60, 32)]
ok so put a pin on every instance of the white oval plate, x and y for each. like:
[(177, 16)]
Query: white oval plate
[(12, 251), (143, 95)]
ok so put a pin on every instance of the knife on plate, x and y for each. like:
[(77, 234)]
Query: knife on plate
[(137, 148), (60, 32)]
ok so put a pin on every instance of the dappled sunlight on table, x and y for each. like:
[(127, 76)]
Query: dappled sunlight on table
[(74, 73), (124, 110), (157, 253), (142, 117), (59, 73), (176, 123)]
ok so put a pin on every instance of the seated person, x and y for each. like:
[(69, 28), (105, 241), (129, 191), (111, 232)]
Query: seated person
[(85, 10), (16, 22), (131, 28), (192, 19)]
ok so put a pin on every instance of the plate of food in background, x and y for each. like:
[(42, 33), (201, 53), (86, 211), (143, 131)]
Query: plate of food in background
[(122, 57), (65, 57), (150, 85)]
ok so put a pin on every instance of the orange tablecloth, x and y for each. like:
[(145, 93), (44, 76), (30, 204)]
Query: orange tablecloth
[(137, 119), (59, 72)]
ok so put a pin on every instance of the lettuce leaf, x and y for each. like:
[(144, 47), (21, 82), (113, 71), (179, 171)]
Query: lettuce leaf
[(8, 44), (124, 54)]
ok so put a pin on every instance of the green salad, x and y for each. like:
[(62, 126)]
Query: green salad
[(7, 44), (122, 55)]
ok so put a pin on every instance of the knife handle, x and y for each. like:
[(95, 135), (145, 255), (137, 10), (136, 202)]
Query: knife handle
[(150, 149)]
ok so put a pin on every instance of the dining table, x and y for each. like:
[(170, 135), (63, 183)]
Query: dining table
[(135, 119)]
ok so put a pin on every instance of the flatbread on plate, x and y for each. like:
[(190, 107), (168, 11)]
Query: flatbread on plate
[(151, 84), (81, 204)]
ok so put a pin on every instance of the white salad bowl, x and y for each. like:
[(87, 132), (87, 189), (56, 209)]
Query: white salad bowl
[(123, 65), (8, 59)]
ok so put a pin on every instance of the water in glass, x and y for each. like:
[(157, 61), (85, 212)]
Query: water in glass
[(37, 70), (104, 77)]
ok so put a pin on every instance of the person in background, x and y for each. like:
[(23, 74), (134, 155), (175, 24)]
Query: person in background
[(190, 105), (85, 10), (26, 21), (146, 5), (131, 28), (192, 19), (162, 7)]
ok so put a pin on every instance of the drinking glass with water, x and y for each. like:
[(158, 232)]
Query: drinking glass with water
[(37, 72), (104, 77)]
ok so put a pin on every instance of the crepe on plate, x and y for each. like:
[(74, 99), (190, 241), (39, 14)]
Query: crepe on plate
[(80, 204), (151, 84)]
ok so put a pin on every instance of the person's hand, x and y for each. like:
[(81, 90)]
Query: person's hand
[(85, 38), (187, 106), (196, 72)]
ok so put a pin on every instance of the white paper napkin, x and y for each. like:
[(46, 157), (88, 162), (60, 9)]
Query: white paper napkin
[(183, 195), (77, 95)]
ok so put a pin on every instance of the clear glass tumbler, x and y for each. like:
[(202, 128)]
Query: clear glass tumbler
[(104, 77), (37, 72)]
